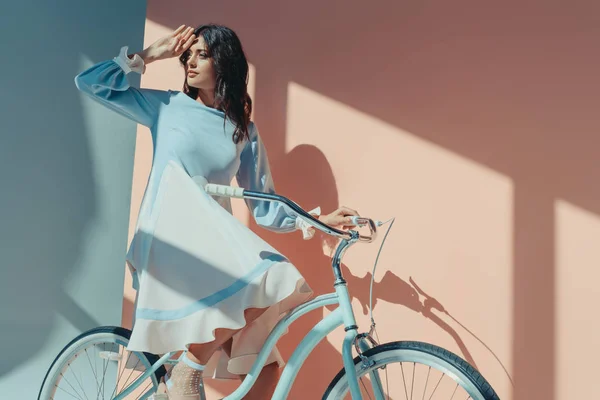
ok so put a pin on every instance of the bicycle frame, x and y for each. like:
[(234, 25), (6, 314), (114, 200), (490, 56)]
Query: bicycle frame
[(342, 315), (335, 319)]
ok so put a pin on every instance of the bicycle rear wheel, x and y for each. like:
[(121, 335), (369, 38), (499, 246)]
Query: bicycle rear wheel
[(97, 365), (413, 370)]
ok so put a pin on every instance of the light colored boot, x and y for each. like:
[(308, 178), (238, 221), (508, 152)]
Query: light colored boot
[(184, 381)]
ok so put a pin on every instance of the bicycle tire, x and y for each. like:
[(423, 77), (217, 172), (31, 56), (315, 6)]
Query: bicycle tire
[(85, 336), (408, 351)]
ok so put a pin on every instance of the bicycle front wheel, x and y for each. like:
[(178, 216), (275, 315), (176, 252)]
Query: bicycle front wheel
[(97, 365), (413, 370)]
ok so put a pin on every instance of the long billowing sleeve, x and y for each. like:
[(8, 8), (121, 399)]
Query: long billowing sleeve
[(106, 82), (255, 174)]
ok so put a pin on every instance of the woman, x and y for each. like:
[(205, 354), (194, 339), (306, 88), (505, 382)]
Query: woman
[(184, 265)]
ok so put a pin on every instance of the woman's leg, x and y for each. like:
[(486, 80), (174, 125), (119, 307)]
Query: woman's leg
[(265, 384), (201, 353)]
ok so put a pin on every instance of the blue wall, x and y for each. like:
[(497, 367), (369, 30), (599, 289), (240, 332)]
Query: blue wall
[(66, 169)]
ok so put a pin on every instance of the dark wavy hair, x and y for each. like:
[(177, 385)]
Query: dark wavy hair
[(231, 69)]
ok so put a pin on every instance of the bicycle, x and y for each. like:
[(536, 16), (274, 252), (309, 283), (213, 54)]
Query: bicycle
[(367, 375)]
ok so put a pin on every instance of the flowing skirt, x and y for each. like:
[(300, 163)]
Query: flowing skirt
[(202, 269)]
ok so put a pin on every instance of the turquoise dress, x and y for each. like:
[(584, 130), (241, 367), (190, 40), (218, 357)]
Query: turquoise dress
[(192, 145)]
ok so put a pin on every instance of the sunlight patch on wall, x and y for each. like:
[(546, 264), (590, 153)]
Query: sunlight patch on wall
[(577, 290), (452, 239)]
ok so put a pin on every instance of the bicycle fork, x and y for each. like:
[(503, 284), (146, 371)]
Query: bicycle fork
[(362, 345), (359, 342)]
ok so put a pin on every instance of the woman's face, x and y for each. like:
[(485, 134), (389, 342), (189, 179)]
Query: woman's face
[(199, 67)]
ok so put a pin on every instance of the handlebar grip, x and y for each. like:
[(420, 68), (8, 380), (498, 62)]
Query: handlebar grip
[(358, 221), (224, 190)]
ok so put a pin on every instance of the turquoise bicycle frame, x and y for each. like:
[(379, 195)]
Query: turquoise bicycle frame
[(340, 316), (343, 315)]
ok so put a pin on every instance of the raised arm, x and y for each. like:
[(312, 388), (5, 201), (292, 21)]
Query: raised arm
[(107, 83)]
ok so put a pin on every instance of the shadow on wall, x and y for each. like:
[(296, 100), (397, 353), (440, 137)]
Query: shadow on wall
[(48, 196), (509, 86), (316, 267), (49, 193)]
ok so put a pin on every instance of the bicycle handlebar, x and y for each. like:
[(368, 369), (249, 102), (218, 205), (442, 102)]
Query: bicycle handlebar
[(236, 192)]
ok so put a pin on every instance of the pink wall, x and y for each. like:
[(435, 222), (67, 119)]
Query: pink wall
[(479, 122)]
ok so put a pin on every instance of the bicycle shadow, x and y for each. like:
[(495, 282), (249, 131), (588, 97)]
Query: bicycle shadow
[(431, 303), (395, 290)]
